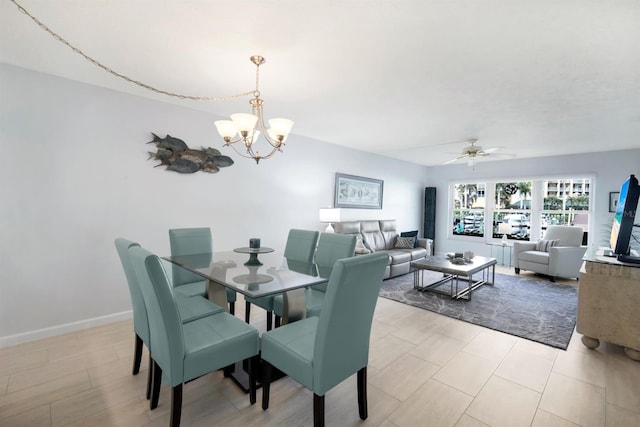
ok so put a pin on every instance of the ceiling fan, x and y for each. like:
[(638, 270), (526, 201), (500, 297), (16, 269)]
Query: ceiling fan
[(472, 152)]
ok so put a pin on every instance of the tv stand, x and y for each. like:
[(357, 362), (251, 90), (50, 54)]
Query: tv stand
[(608, 301)]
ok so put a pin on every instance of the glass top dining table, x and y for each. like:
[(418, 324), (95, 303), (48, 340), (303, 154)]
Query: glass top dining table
[(276, 275)]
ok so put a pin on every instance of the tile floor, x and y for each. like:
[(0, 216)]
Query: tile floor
[(425, 370)]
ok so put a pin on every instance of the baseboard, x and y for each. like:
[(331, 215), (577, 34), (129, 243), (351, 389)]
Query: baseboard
[(63, 329)]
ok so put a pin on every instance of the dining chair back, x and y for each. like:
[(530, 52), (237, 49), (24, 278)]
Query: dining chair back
[(191, 241), (320, 352), (331, 248), (185, 351), (300, 247), (140, 322)]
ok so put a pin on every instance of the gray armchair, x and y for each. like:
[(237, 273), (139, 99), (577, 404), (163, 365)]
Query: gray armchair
[(563, 258)]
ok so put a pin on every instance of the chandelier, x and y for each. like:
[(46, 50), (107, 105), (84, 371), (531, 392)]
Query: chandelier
[(246, 128)]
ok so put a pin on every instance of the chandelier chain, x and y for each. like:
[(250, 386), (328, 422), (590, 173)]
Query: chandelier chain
[(122, 76)]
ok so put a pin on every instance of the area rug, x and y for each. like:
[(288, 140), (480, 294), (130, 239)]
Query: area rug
[(537, 310)]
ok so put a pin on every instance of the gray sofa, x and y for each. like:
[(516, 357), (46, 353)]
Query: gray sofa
[(381, 236)]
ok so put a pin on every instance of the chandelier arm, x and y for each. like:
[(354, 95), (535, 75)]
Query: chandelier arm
[(122, 76), (274, 143)]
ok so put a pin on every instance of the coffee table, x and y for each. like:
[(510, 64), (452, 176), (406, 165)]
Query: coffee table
[(454, 274)]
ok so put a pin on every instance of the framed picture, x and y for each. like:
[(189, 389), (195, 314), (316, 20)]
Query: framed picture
[(613, 201), (358, 192)]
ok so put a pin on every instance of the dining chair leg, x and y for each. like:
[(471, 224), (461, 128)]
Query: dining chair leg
[(156, 382), (318, 410), (232, 308), (278, 320), (253, 365), (137, 355), (266, 384), (247, 312), (362, 393), (150, 377), (269, 320), (176, 405)]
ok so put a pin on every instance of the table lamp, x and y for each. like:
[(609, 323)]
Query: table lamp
[(504, 229), (329, 215)]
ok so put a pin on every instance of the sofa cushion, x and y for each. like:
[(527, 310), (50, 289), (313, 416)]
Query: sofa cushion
[(347, 227), (534, 256), (417, 253), (372, 235), (389, 232), (543, 245), (404, 242), (399, 256)]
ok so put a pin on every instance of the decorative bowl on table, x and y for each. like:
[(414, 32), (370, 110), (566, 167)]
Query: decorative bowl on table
[(457, 261)]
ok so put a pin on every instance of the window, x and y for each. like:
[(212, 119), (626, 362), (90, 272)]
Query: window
[(565, 202), (512, 210), (468, 209), (521, 209)]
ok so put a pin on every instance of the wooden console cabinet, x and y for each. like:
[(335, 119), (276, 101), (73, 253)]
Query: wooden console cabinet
[(609, 304)]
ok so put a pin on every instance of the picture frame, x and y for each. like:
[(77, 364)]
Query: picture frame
[(613, 200), (358, 192)]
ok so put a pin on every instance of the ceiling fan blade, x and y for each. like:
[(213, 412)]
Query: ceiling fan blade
[(450, 161), (456, 159), (491, 150)]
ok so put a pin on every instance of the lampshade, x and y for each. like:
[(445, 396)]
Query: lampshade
[(244, 122), (280, 127), (504, 228), (329, 215), (226, 128)]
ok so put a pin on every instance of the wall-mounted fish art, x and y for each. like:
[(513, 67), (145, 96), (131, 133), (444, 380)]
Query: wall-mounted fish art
[(177, 156)]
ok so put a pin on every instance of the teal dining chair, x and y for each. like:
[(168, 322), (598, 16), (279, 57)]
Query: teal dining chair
[(321, 352), (140, 322), (190, 241), (301, 246), (185, 351), (189, 308), (331, 248)]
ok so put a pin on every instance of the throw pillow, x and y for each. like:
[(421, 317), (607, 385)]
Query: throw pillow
[(360, 247), (404, 242), (411, 234), (543, 245), (367, 245)]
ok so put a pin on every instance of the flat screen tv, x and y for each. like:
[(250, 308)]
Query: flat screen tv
[(624, 219)]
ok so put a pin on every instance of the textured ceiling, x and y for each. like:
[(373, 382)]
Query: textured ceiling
[(407, 79)]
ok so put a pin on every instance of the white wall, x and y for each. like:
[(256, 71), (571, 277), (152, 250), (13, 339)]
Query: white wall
[(75, 176), (609, 170)]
